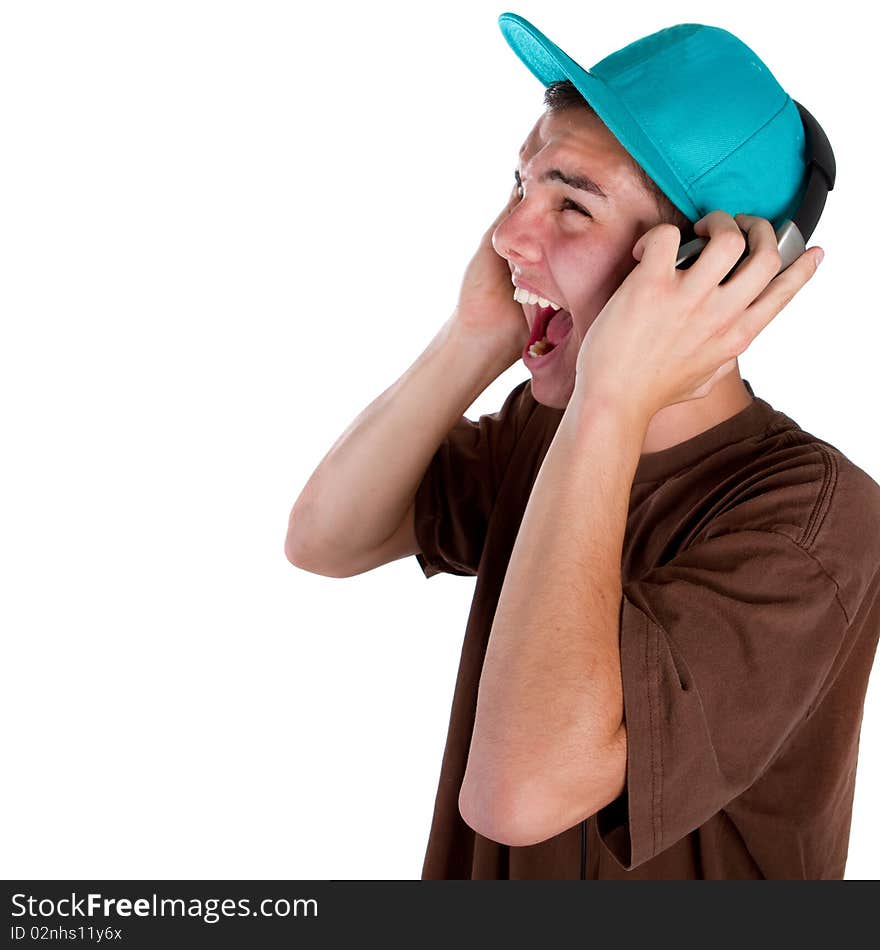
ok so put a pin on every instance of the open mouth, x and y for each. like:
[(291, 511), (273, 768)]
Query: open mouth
[(550, 328)]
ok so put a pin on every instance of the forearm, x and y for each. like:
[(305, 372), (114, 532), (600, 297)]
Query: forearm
[(550, 694), (359, 493)]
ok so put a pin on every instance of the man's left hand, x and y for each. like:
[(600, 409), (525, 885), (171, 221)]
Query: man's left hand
[(668, 335)]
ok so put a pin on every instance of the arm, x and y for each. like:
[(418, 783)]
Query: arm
[(355, 511), (359, 495), (549, 742)]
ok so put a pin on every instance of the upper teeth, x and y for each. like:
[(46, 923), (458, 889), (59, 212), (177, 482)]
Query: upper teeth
[(523, 296)]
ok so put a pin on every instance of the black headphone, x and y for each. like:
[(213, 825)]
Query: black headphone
[(792, 235)]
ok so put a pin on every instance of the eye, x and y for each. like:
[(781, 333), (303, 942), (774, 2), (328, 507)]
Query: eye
[(567, 203)]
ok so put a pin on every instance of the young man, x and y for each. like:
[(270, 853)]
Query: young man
[(677, 606)]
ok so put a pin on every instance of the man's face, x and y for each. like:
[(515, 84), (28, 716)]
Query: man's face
[(575, 260)]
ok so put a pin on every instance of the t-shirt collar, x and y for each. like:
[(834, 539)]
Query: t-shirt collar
[(750, 421)]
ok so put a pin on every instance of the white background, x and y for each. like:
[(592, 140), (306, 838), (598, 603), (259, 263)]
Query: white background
[(227, 228)]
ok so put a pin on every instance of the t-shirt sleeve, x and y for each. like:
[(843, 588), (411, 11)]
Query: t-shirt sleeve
[(723, 650), (455, 498)]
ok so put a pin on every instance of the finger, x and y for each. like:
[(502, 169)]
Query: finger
[(656, 249), (775, 297), (724, 248), (762, 263)]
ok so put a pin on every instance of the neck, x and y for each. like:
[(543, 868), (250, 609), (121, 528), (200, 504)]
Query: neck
[(684, 420)]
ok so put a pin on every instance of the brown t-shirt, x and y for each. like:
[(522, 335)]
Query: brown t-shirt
[(749, 622)]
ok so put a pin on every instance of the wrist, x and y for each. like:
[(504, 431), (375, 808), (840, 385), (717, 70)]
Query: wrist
[(617, 408), (472, 356), (492, 353)]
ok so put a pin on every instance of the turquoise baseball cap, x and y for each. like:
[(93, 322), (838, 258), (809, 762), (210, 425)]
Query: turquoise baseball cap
[(696, 108)]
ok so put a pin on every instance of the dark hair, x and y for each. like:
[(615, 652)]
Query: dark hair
[(563, 95)]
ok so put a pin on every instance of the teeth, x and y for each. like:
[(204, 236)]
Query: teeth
[(523, 296), (539, 348)]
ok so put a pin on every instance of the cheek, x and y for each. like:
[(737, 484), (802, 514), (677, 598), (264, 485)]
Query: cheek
[(589, 276), (612, 268), (581, 328)]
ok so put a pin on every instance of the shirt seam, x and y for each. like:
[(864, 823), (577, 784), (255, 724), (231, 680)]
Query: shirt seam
[(656, 740), (800, 547), (823, 501)]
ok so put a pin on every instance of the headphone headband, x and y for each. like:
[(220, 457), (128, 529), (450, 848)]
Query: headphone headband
[(821, 172)]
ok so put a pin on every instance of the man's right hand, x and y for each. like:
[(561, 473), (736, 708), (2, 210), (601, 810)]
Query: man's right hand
[(486, 313)]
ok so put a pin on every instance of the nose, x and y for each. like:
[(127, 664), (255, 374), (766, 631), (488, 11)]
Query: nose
[(515, 237)]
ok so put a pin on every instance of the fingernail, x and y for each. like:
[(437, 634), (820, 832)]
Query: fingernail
[(820, 254)]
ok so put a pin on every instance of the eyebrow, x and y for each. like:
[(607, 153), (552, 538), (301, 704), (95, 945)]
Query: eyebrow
[(573, 180)]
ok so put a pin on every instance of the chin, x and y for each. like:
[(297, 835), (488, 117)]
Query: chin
[(548, 393)]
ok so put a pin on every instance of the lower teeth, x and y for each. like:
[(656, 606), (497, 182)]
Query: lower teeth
[(540, 348)]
